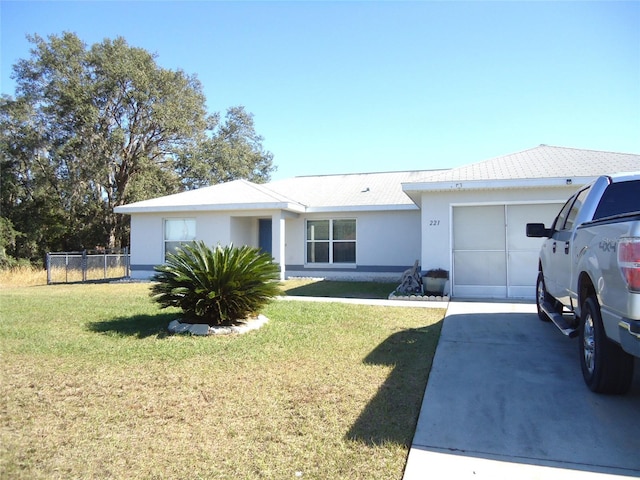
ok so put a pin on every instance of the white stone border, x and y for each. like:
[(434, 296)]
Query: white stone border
[(419, 298), (203, 329)]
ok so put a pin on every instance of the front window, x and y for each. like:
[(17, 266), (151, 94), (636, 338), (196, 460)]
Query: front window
[(178, 231), (331, 241)]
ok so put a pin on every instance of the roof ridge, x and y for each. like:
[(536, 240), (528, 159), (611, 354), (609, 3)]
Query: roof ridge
[(586, 149), (372, 173), (486, 160), (542, 145)]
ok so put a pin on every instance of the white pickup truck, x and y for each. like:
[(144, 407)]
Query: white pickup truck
[(589, 278)]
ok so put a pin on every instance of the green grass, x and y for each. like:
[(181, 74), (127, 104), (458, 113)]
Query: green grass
[(93, 387), (331, 288)]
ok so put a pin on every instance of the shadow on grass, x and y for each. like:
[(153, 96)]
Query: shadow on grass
[(140, 326), (392, 414), (340, 289)]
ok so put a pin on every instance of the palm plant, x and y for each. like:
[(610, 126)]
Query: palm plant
[(216, 285)]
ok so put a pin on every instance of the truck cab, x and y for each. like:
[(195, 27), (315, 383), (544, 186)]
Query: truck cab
[(589, 277)]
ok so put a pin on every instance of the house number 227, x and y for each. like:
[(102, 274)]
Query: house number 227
[(434, 223)]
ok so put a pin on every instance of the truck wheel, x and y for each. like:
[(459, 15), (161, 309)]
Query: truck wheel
[(541, 297), (606, 368)]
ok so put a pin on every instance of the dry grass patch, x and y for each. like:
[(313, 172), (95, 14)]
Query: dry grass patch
[(96, 389), (23, 276), (29, 276)]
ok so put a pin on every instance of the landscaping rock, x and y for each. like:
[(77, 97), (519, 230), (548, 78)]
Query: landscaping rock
[(202, 329), (199, 329), (176, 327), (423, 298)]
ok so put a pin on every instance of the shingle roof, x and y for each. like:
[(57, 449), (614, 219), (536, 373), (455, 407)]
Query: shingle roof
[(235, 195), (362, 191), (388, 190), (542, 162), (349, 190)]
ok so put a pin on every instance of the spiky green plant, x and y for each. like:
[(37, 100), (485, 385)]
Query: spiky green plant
[(216, 285)]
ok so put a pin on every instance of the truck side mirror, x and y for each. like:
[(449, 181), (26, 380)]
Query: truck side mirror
[(538, 230)]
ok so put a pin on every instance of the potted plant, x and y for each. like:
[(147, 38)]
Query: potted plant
[(434, 281)]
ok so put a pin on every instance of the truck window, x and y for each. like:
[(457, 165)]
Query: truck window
[(575, 208), (569, 212), (619, 198), (559, 221)]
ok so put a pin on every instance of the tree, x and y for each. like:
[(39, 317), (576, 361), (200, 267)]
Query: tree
[(7, 239), (233, 151), (93, 128), (28, 193)]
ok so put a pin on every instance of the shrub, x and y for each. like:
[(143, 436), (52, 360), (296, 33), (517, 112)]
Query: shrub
[(216, 285)]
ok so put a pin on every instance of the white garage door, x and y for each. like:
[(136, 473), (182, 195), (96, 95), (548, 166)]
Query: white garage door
[(492, 256)]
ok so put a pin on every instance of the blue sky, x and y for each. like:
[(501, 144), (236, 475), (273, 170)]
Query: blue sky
[(341, 87)]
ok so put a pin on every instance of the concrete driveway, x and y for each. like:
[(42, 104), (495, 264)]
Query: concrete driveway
[(506, 399)]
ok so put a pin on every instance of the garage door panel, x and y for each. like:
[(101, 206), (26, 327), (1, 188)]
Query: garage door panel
[(523, 268), (479, 268), (517, 218), (492, 255), (479, 228)]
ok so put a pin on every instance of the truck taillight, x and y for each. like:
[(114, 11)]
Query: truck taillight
[(629, 261)]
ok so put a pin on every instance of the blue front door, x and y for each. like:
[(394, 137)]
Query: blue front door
[(264, 235)]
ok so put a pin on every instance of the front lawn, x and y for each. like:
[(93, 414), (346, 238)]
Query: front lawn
[(93, 387), (340, 289)]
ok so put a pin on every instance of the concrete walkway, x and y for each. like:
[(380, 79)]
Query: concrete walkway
[(370, 301), (506, 400)]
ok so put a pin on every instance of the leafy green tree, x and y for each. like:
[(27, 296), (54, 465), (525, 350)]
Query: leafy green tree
[(231, 150), (103, 112), (7, 239), (29, 199), (93, 128), (216, 285)]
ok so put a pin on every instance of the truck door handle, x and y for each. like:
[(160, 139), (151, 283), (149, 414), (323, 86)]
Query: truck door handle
[(554, 247), (566, 248)]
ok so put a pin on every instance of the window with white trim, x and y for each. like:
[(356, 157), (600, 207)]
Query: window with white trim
[(331, 241), (178, 231)]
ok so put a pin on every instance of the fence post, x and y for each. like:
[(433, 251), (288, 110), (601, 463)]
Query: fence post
[(105, 264), (83, 266), (127, 262), (48, 261)]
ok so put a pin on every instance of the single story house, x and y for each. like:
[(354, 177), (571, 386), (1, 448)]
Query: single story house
[(468, 220)]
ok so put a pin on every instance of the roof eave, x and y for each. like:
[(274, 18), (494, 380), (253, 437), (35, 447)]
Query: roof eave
[(362, 208), (413, 188), (290, 207)]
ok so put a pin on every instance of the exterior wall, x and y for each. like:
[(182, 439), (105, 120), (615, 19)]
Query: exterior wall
[(213, 228), (244, 231), (147, 237), (437, 210), (438, 235), (387, 243), (147, 234), (147, 244)]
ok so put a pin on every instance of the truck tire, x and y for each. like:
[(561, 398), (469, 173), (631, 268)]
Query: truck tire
[(541, 297), (606, 368)]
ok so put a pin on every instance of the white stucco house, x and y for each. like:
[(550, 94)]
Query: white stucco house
[(468, 220)]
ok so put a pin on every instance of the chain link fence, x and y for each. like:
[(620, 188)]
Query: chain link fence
[(87, 266)]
